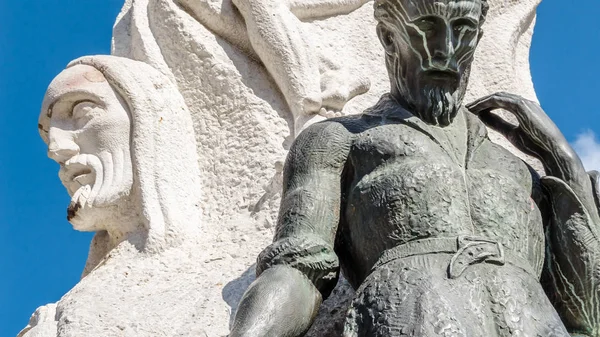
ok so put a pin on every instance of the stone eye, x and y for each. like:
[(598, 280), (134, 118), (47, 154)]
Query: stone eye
[(82, 108), (82, 112), (425, 25), (463, 25)]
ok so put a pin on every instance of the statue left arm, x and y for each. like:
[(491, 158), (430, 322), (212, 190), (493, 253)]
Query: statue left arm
[(573, 234)]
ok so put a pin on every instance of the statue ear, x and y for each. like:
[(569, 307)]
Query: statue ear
[(386, 38)]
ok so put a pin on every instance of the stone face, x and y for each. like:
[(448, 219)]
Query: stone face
[(90, 141), (243, 127)]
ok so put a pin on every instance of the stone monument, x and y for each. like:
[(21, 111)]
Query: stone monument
[(233, 77)]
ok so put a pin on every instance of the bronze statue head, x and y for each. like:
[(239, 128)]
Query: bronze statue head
[(429, 47)]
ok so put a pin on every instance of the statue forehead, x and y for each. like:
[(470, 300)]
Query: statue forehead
[(78, 77), (76, 82), (413, 9)]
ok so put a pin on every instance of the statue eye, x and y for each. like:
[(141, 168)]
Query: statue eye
[(425, 25), (463, 25), (81, 108), (81, 111), (460, 28)]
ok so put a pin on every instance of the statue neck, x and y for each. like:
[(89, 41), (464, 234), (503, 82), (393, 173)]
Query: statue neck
[(123, 235)]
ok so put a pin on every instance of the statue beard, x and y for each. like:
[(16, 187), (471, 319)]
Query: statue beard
[(435, 102), (101, 191)]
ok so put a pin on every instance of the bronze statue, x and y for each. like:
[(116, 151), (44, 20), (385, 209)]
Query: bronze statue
[(441, 231)]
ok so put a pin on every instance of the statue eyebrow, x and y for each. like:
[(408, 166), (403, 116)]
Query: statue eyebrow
[(466, 19), (92, 98), (473, 19)]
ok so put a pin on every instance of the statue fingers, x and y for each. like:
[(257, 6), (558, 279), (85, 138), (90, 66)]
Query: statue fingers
[(330, 113), (500, 100), (513, 133)]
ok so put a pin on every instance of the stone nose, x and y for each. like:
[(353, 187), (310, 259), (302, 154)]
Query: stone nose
[(442, 57), (61, 146), (442, 52)]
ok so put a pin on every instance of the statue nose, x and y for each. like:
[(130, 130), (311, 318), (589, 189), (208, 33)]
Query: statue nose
[(442, 51), (61, 146), (444, 60), (441, 54)]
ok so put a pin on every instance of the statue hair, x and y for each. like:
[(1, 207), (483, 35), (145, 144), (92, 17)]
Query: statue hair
[(383, 13)]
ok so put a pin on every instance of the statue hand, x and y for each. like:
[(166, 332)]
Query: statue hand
[(535, 135)]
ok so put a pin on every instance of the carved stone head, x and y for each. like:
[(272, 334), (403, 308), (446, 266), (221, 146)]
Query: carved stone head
[(123, 138), (429, 47), (87, 128)]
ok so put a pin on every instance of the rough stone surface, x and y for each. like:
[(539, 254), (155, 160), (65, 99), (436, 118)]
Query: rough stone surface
[(243, 128)]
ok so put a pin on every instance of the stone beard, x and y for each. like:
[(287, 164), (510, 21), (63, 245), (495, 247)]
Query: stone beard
[(179, 50), (101, 179), (435, 104), (429, 71)]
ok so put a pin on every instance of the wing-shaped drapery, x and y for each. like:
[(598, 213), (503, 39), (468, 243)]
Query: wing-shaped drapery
[(573, 260)]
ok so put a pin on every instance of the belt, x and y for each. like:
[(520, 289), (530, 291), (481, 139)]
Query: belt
[(467, 250)]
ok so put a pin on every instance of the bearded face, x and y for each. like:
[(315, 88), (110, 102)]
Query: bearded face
[(87, 130), (429, 49)]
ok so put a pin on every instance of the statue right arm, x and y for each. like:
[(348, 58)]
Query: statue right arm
[(300, 268)]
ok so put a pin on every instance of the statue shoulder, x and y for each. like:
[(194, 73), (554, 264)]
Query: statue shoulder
[(327, 142), (330, 132)]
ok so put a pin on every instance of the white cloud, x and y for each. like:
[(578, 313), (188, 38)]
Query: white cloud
[(588, 148)]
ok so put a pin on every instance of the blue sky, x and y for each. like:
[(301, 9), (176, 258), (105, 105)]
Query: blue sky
[(41, 256)]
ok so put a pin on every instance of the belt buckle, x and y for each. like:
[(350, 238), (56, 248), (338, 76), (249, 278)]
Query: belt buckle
[(472, 250)]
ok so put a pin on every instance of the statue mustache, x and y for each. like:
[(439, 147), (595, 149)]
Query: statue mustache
[(447, 74), (106, 169)]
